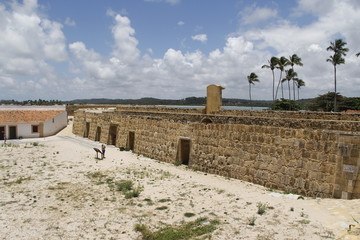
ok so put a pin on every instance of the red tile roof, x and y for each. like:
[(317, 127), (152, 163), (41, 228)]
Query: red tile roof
[(26, 116)]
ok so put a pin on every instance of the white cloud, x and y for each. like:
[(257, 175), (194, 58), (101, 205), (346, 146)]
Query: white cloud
[(70, 22), (341, 19), (34, 43), (200, 37), (28, 43), (315, 7), (180, 23), (173, 2), (254, 14), (125, 47)]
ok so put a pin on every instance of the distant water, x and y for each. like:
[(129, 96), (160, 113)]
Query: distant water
[(224, 107)]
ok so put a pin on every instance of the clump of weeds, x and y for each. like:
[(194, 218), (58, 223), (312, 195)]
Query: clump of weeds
[(261, 208), (201, 227), (251, 221)]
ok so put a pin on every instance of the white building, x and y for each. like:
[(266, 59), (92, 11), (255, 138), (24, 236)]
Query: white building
[(29, 123)]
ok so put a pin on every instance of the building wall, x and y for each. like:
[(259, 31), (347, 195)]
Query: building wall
[(47, 128), (308, 156), (55, 124), (25, 130)]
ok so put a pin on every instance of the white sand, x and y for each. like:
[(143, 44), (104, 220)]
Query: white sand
[(46, 193)]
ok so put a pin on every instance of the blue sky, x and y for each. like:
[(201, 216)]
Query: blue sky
[(170, 48)]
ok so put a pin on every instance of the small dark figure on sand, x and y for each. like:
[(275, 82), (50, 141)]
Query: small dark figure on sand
[(103, 147)]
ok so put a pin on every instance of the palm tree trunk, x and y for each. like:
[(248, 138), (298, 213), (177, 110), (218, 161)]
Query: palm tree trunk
[(289, 90), (282, 90), (335, 106), (277, 88), (298, 94), (294, 90), (273, 84), (250, 95)]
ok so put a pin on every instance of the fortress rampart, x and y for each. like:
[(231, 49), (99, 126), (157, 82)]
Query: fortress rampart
[(314, 154)]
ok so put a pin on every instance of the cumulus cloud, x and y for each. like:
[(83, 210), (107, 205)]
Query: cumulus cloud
[(28, 43), (200, 37), (35, 43), (70, 22), (254, 14), (173, 2), (310, 42), (125, 46)]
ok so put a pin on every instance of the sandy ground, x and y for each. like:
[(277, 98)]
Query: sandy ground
[(54, 188)]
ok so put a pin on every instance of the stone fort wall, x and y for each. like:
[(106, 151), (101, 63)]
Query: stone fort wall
[(309, 153)]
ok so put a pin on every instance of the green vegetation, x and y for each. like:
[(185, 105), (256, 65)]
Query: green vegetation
[(285, 105), (126, 187), (325, 103), (252, 79), (262, 207), (190, 230), (161, 208), (189, 214), (21, 179), (32, 102), (251, 221), (338, 47)]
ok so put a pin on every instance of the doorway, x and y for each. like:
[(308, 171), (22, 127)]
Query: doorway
[(184, 151), (12, 132), (2, 133), (87, 129), (98, 134), (112, 135), (131, 140)]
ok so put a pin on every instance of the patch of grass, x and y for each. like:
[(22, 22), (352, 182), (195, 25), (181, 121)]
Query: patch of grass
[(164, 174), (133, 193), (96, 175), (149, 201), (21, 179), (304, 221), (161, 208), (35, 144), (124, 186), (189, 214), (9, 145), (251, 221), (165, 200), (178, 163), (190, 230), (220, 191), (262, 207)]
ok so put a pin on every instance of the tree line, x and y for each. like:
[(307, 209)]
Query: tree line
[(291, 77), (40, 102)]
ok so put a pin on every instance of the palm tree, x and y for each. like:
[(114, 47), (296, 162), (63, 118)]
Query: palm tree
[(252, 78), (282, 63), (338, 47), (290, 75), (294, 60), (272, 64), (299, 83)]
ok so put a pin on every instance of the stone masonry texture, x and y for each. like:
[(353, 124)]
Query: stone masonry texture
[(310, 153)]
